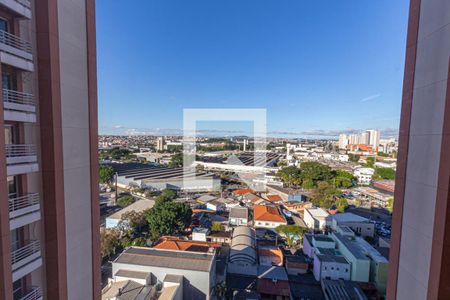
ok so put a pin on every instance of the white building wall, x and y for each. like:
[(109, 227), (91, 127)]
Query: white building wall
[(76, 151)]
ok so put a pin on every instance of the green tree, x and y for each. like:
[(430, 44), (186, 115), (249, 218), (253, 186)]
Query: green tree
[(384, 173), (325, 195), (353, 157), (118, 153), (166, 195), (370, 161), (390, 204), (315, 171), (291, 233), (290, 175), (307, 184), (106, 174), (167, 218), (134, 220), (176, 161), (216, 226), (341, 204), (125, 200)]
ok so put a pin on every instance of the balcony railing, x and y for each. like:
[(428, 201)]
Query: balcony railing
[(18, 203), (10, 96), (20, 150), (26, 3), (15, 42), (26, 251), (34, 294)]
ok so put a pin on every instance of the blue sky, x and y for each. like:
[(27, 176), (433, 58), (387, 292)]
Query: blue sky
[(318, 67)]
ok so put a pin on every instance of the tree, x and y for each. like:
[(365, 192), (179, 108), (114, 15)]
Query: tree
[(166, 195), (341, 204), (343, 179), (118, 153), (353, 157), (290, 175), (370, 161), (125, 200), (325, 195), (167, 218), (315, 171), (176, 160), (384, 173), (109, 240), (133, 220), (291, 233), (106, 174), (307, 184), (390, 205), (216, 226)]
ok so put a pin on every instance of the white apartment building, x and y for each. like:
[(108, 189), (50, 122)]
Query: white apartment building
[(316, 218), (331, 267), (364, 175)]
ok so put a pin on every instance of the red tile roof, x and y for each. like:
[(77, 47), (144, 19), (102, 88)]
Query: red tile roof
[(267, 213), (274, 198), (174, 243), (241, 192)]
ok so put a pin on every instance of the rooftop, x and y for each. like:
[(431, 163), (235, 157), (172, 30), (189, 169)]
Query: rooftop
[(138, 206), (239, 212), (274, 198), (174, 243), (151, 257), (138, 171), (267, 213), (342, 289), (127, 290), (332, 258), (349, 217), (317, 212)]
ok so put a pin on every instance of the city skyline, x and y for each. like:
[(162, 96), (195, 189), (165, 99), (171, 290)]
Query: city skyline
[(271, 56)]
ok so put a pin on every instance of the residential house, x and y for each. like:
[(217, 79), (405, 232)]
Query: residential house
[(238, 216), (267, 217)]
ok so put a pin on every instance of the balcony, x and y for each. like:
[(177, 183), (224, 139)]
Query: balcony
[(16, 52), (19, 106), (21, 8), (24, 210), (26, 259), (35, 293), (21, 159)]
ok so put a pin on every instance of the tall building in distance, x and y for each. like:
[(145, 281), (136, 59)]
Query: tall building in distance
[(369, 137), (160, 143), (343, 141), (419, 263), (374, 138), (49, 210)]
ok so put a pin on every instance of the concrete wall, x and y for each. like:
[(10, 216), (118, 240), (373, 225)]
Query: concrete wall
[(75, 130), (424, 148), (330, 270)]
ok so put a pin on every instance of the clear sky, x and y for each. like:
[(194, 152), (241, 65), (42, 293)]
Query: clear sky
[(319, 66)]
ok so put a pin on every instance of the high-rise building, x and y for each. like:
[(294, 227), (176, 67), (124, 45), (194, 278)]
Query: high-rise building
[(49, 209), (343, 141), (363, 138), (160, 143), (374, 138), (419, 264)]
